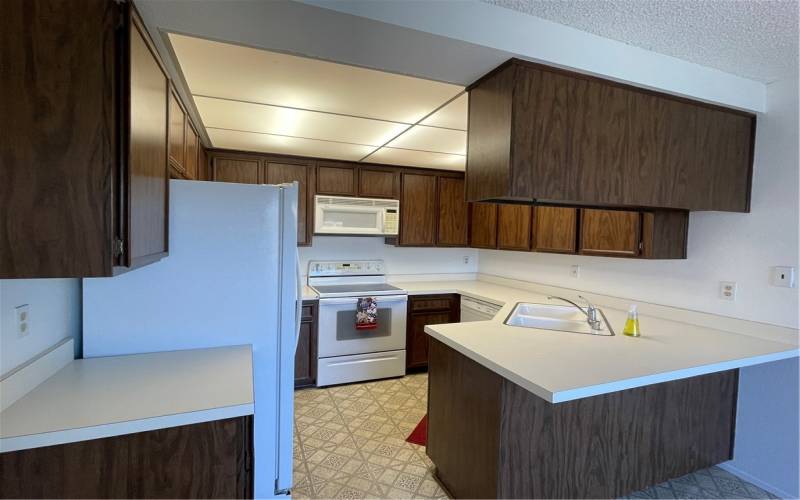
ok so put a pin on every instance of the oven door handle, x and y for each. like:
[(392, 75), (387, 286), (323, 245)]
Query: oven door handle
[(382, 299)]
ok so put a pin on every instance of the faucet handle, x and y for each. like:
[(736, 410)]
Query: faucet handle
[(591, 306)]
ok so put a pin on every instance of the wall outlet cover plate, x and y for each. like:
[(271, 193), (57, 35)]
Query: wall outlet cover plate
[(783, 276)]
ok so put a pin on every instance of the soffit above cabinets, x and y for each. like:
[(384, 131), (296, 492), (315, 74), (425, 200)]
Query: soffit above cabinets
[(262, 101)]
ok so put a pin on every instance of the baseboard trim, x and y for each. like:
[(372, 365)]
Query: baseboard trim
[(752, 479)]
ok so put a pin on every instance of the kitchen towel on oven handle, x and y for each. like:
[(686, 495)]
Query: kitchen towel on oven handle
[(366, 313)]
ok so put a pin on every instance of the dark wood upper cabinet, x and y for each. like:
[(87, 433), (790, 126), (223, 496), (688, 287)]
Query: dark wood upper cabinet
[(191, 155), (338, 179), (418, 214), (453, 213), (203, 167), (544, 134), (665, 234), (239, 168), (279, 172), (555, 229), (378, 183), (513, 227), (84, 188), (610, 232), (483, 225), (177, 133)]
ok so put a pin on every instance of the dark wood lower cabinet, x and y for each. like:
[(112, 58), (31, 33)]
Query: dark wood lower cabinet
[(427, 310), (206, 460), (305, 357), (517, 445)]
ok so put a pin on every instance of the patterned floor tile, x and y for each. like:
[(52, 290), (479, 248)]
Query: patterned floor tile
[(350, 444)]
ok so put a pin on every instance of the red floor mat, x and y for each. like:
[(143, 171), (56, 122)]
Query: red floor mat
[(420, 433)]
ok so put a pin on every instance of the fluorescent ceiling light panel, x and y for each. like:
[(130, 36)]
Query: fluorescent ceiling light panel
[(454, 115), (248, 117), (218, 69), (267, 143), (424, 159), (440, 140)]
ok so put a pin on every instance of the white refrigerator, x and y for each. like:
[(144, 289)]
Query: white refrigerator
[(231, 278)]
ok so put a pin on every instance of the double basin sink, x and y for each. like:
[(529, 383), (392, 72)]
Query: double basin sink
[(557, 317)]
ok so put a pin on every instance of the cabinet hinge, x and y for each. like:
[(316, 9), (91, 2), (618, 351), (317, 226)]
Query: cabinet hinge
[(119, 247)]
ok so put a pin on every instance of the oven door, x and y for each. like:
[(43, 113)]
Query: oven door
[(338, 335), (348, 219)]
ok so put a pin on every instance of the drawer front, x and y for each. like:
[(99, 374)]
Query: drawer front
[(432, 303), (309, 311), (371, 366)]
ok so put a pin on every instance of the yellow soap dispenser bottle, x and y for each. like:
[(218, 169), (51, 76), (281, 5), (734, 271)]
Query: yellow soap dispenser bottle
[(632, 323)]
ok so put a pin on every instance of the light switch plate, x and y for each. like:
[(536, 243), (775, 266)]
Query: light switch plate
[(727, 290), (575, 271), (782, 276)]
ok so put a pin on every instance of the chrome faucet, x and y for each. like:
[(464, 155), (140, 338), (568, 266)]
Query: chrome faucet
[(590, 311)]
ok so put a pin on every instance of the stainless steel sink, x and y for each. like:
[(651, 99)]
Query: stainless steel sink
[(556, 317)]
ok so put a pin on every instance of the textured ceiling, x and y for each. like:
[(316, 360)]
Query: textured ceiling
[(756, 39)]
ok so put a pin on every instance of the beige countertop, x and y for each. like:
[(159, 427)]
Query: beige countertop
[(110, 396), (561, 366)]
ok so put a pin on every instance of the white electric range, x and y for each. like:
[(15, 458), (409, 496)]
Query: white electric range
[(346, 354)]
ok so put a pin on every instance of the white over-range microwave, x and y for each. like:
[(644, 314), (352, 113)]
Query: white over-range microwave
[(356, 216)]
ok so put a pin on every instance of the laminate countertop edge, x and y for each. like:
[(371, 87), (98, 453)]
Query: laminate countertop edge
[(102, 397)]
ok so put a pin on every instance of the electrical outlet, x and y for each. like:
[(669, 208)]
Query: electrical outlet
[(727, 290), (575, 271), (23, 320), (466, 259), (782, 276)]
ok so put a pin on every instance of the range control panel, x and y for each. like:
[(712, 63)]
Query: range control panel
[(345, 268)]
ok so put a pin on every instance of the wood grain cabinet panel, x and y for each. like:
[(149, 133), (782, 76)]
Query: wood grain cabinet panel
[(483, 225), (303, 174), (555, 229), (191, 156), (246, 170), (453, 213), (610, 232), (377, 183), (305, 359), (205, 460), (418, 212), (177, 133), (336, 179), (427, 310), (543, 134), (513, 227), (88, 208), (147, 231)]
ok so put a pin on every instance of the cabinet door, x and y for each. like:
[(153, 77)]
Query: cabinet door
[(418, 210), (599, 119), (555, 229), (483, 225), (235, 169), (305, 359), (278, 173), (148, 166), (513, 227), (336, 179), (177, 133), (203, 171), (190, 158), (417, 339), (610, 232), (453, 213), (375, 183)]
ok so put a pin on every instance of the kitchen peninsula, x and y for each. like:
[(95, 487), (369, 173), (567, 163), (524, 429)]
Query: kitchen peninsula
[(561, 415)]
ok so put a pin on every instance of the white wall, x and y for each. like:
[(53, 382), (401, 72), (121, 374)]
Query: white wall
[(729, 247), (399, 260), (55, 313)]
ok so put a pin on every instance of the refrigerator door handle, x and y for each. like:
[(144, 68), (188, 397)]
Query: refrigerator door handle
[(299, 311)]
